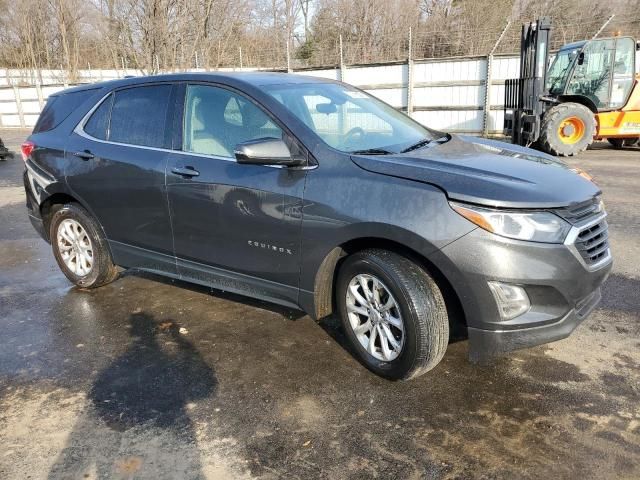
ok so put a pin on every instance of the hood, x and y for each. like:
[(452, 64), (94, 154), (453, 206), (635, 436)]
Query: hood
[(487, 172)]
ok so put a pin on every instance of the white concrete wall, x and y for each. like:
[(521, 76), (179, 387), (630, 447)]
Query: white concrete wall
[(448, 94)]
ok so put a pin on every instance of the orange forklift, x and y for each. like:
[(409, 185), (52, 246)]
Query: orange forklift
[(590, 92)]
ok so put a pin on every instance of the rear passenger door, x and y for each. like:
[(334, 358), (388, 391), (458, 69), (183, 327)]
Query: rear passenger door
[(235, 226), (116, 164)]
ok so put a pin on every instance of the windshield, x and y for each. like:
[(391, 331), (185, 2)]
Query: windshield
[(350, 120), (560, 70)]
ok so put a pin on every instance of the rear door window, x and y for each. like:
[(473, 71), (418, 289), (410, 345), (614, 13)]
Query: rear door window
[(139, 116), (98, 124), (58, 108)]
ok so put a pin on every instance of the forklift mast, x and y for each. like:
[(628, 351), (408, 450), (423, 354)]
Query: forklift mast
[(523, 106)]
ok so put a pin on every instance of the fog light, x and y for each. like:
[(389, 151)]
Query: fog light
[(511, 299)]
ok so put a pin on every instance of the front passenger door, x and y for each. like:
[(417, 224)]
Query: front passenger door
[(235, 226)]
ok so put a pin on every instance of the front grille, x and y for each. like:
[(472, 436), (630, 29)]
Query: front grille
[(589, 237), (593, 243)]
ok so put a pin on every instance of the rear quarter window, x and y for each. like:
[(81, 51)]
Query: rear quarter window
[(98, 124), (58, 108)]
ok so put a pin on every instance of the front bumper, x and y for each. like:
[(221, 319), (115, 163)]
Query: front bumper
[(485, 344), (562, 291)]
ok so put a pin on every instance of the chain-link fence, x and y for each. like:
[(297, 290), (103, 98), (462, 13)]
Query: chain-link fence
[(563, 33), (421, 42), (424, 43)]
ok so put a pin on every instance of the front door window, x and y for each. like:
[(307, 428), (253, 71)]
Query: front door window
[(216, 120)]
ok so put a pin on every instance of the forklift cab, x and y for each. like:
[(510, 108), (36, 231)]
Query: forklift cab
[(598, 73)]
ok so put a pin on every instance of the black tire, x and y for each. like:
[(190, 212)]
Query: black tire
[(103, 270), (423, 310), (619, 143), (551, 142)]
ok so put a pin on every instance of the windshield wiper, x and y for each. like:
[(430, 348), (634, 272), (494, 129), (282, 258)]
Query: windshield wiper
[(425, 142), (415, 146), (372, 151)]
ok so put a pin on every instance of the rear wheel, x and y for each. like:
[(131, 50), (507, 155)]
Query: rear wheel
[(392, 313), (80, 248), (567, 129), (618, 143)]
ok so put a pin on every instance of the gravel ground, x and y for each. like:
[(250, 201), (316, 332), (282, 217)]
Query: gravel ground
[(105, 384)]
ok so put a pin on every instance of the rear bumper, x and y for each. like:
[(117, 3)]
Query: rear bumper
[(561, 290), (38, 225), (33, 210)]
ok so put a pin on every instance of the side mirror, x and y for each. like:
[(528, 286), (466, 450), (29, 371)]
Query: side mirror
[(266, 151), (580, 58)]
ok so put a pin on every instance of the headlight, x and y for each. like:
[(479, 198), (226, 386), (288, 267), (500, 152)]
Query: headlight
[(521, 225)]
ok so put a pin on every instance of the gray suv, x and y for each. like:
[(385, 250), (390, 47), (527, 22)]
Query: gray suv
[(315, 195)]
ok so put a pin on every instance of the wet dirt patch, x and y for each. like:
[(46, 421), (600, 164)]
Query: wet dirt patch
[(547, 369), (619, 385)]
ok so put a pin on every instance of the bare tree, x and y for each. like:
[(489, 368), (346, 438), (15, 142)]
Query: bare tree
[(153, 35)]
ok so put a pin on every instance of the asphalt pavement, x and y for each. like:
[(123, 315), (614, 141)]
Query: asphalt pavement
[(153, 378)]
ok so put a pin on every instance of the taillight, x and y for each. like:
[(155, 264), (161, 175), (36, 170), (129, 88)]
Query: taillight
[(27, 147)]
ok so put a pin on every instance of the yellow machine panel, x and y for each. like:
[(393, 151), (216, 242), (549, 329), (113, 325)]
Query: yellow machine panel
[(618, 124), (624, 123), (634, 99)]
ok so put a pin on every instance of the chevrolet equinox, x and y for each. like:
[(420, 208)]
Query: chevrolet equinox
[(315, 195)]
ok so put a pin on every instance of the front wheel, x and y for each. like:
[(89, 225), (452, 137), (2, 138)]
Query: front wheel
[(80, 247), (567, 129), (392, 313)]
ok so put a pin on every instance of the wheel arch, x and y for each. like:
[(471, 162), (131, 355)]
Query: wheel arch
[(326, 275), (582, 100), (49, 205)]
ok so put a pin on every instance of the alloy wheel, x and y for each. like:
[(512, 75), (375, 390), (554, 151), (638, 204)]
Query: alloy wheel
[(74, 246), (375, 318)]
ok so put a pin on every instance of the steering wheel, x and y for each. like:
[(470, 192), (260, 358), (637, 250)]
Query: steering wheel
[(353, 134)]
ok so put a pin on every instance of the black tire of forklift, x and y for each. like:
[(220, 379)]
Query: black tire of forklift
[(550, 140), (618, 143)]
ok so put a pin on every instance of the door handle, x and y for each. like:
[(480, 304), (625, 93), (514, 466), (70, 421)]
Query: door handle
[(186, 172), (84, 155)]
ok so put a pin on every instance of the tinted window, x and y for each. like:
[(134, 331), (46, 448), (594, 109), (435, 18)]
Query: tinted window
[(58, 108), (216, 120), (139, 114), (98, 124)]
